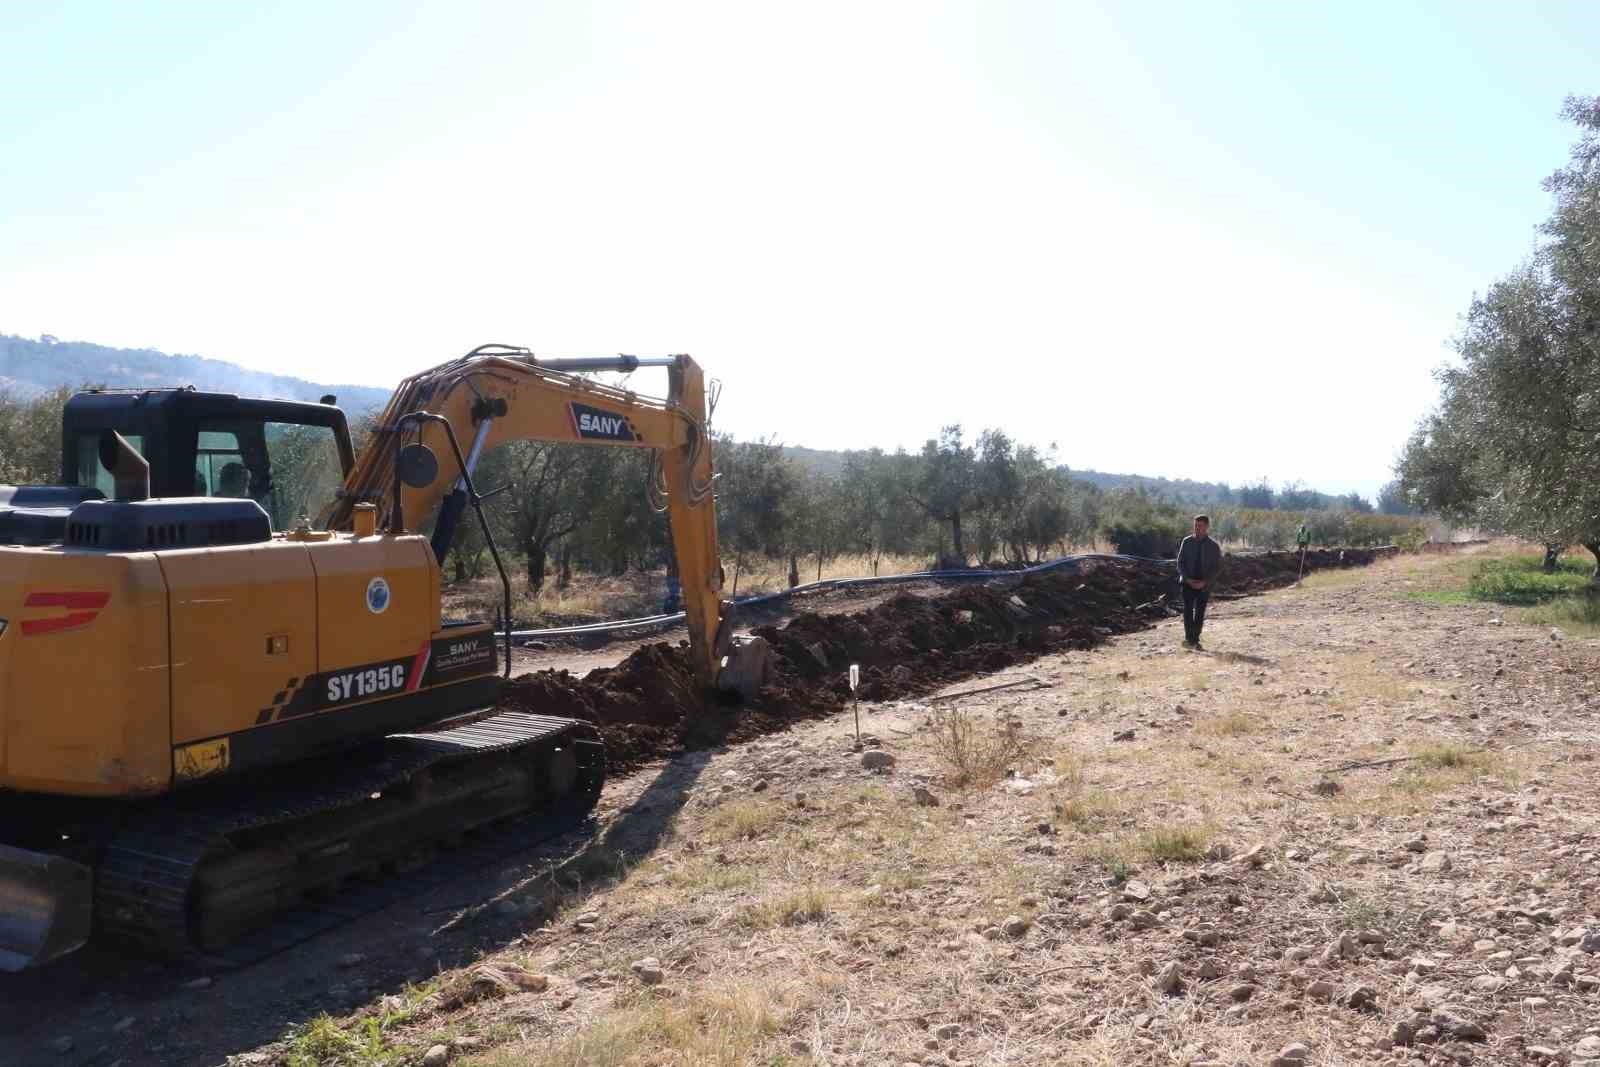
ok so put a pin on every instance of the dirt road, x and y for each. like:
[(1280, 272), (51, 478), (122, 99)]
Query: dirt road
[(1364, 823)]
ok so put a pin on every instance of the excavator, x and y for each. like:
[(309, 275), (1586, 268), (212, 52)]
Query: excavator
[(226, 681)]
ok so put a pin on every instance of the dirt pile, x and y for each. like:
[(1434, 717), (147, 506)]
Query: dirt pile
[(648, 707)]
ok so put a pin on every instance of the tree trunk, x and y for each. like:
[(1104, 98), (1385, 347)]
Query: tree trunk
[(956, 544), (460, 565), (1594, 548), (1552, 553), (819, 566), (564, 579), (537, 557), (738, 564), (794, 570)]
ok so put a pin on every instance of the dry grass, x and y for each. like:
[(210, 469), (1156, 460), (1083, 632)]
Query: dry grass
[(975, 752), (717, 1028), (1175, 844), (742, 820), (808, 904)]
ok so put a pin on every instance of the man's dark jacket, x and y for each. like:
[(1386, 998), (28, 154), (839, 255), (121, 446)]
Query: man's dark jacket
[(1199, 558)]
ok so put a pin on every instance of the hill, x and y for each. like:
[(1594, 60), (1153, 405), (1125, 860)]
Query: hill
[(29, 367)]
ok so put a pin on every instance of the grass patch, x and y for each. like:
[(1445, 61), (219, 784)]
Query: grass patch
[(1578, 613), (1233, 724), (359, 1042), (809, 905), (744, 820), (718, 1029), (1447, 756), (1174, 844), (975, 752), (1085, 811)]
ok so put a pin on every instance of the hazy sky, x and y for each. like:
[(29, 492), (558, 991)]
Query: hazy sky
[(1197, 240)]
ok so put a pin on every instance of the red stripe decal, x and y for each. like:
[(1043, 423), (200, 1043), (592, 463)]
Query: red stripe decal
[(419, 665), (70, 601), (30, 627)]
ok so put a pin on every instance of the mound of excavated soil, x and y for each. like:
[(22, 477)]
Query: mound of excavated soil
[(649, 707)]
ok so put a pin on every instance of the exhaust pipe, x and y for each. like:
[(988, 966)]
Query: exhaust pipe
[(46, 907), (130, 470)]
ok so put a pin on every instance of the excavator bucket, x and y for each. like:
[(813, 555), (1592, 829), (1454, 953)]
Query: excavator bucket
[(46, 905), (746, 668)]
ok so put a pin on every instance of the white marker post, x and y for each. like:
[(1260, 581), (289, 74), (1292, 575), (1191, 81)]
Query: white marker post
[(855, 680)]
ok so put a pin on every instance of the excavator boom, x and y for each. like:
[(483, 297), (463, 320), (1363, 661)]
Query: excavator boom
[(497, 394)]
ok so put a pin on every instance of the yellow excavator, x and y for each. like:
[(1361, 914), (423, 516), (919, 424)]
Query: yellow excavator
[(225, 678)]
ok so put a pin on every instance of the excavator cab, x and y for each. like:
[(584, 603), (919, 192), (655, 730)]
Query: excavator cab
[(290, 457)]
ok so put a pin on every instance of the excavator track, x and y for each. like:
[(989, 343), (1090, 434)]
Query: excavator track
[(231, 874)]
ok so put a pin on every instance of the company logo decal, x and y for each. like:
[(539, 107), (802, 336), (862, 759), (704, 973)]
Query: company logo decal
[(377, 596), (597, 424), (78, 609)]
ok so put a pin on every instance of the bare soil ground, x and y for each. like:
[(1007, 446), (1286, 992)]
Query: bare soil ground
[(1364, 823)]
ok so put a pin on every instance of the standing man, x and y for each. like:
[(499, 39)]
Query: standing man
[(1199, 560)]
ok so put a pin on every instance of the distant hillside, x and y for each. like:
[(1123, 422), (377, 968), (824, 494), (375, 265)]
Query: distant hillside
[(29, 367)]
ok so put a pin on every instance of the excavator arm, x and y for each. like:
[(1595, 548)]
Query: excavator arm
[(497, 394)]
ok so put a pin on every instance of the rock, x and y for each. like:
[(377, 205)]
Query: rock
[(1436, 862), (1321, 989), (198, 983), (1372, 937), (1015, 926), (1123, 735), (923, 797), (527, 981), (1019, 787), (1291, 1056), (1254, 856), (1541, 1052), (1136, 892), (124, 1024), (1323, 894), (900, 673), (1143, 920), (1242, 992), (466, 1044), (1589, 1046), (508, 909), (437, 1056), (1327, 788), (1210, 969), (1345, 947), (1419, 843), (62, 1045), (1118, 912), (1459, 1027), (649, 970), (1488, 983), (1403, 1032), (1169, 979), (353, 959), (947, 1031), (1590, 942), (1298, 953), (876, 759), (1360, 998)]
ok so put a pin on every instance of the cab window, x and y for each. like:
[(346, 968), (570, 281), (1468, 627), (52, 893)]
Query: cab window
[(291, 470), (219, 468), (90, 470)]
